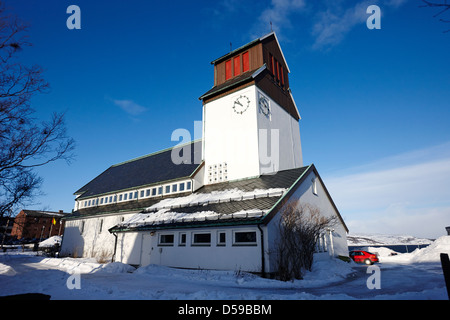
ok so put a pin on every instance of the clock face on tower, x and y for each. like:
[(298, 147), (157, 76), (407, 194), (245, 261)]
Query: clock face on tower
[(241, 104)]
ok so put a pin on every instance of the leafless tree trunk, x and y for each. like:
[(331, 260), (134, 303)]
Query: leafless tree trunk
[(24, 142), (300, 227)]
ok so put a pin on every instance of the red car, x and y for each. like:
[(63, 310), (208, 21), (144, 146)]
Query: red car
[(363, 256)]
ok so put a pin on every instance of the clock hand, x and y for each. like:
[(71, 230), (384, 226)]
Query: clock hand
[(237, 101)]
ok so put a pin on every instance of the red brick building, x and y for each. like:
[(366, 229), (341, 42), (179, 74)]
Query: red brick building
[(35, 224)]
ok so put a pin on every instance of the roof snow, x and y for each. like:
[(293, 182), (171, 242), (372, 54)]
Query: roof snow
[(172, 210)]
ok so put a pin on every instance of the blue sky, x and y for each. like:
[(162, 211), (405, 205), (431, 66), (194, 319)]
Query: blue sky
[(374, 103)]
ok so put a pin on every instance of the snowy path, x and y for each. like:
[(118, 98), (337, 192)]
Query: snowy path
[(398, 281)]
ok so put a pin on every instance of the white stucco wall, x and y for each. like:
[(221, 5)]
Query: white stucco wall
[(143, 248), (336, 237), (89, 237), (250, 143)]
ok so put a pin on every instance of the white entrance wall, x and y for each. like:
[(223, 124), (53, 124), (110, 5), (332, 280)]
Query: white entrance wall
[(89, 237), (312, 192)]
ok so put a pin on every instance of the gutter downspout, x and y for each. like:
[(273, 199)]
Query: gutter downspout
[(263, 261), (113, 259)]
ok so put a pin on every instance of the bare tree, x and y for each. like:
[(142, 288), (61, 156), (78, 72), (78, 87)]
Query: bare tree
[(443, 7), (24, 142), (300, 227)]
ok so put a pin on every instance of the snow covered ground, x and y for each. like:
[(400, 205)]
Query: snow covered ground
[(417, 275)]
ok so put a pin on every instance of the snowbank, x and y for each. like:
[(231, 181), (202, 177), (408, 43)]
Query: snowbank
[(429, 254), (88, 265), (50, 242), (6, 270)]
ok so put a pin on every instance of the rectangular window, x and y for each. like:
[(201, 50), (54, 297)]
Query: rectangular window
[(115, 198), (110, 199), (201, 239), (135, 194), (154, 192), (125, 196), (167, 189), (245, 62), (130, 195), (272, 64), (174, 187), (160, 189), (237, 65), (120, 197), (221, 238), (188, 185), (182, 240), (182, 186), (277, 70), (282, 74), (106, 200), (244, 238), (166, 239), (147, 193), (142, 193), (228, 70), (101, 200)]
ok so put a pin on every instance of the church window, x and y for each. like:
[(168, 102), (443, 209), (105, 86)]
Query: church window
[(182, 239), (245, 62), (166, 239), (237, 65), (228, 70), (244, 238), (221, 239), (201, 239)]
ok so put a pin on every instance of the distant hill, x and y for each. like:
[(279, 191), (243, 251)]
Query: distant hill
[(383, 239)]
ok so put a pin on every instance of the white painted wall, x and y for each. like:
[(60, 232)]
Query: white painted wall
[(250, 143), (91, 242), (279, 138), (336, 239), (143, 248), (230, 137)]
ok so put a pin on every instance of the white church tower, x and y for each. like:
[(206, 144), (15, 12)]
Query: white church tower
[(250, 119)]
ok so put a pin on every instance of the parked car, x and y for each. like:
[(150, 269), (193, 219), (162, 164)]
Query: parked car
[(363, 256)]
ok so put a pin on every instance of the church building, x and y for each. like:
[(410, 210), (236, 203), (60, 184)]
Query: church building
[(212, 203)]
